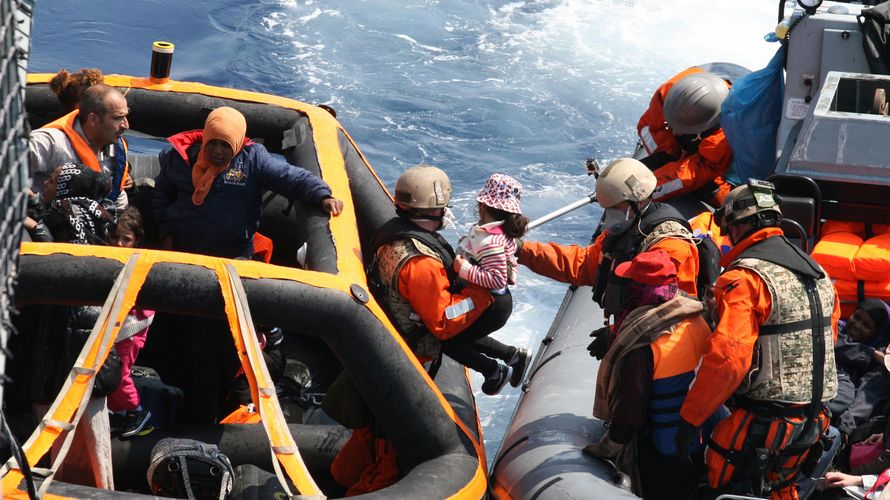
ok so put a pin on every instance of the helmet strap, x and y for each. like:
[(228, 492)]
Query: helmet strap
[(758, 222), (414, 215)]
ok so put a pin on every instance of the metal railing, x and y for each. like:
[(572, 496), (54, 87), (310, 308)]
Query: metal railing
[(15, 27)]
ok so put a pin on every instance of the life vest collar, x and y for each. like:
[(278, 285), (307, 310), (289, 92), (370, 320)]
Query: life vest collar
[(755, 237), (182, 141)]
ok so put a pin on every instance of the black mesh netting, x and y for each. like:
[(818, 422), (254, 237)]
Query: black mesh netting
[(15, 25)]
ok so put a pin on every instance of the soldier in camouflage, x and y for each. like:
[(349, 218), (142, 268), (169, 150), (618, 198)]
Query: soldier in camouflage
[(771, 357), (413, 266)]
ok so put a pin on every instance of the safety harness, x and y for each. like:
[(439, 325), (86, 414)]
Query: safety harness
[(623, 242), (396, 229), (780, 251)]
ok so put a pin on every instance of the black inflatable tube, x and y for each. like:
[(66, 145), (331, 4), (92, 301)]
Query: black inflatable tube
[(373, 207), (241, 443), (413, 419)]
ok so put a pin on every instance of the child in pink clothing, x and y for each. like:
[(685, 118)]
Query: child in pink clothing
[(124, 400), (486, 257)]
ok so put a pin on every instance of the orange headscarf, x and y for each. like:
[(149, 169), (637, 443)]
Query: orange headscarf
[(225, 124)]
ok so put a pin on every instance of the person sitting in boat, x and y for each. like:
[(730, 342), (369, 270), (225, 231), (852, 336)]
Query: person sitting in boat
[(681, 132), (643, 378), (91, 135), (208, 200), (208, 194), (78, 213), (633, 224), (486, 257), (124, 403), (770, 352), (68, 87), (863, 381)]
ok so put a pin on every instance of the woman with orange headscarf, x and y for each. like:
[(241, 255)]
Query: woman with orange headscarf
[(208, 200), (209, 192)]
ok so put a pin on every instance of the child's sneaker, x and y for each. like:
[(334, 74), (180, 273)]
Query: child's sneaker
[(136, 423), (497, 380), (519, 363)]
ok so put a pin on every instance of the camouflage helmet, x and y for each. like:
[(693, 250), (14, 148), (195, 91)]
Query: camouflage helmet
[(625, 179), (693, 103), (423, 187), (752, 202)]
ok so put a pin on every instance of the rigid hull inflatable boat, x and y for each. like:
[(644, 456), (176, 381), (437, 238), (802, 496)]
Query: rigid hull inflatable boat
[(433, 425), (833, 172)]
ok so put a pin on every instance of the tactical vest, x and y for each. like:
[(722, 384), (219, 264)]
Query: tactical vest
[(784, 365), (396, 242), (624, 241), (675, 356)]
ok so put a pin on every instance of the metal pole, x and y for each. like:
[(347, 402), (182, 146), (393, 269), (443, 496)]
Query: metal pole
[(590, 198)]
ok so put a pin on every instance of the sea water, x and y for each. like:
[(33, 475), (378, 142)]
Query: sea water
[(528, 87)]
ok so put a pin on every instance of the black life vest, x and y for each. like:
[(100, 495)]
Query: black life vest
[(398, 228), (623, 243)]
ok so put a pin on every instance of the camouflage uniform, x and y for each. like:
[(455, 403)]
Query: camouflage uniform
[(390, 259)]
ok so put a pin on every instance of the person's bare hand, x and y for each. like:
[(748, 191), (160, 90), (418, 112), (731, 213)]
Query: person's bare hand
[(332, 206), (839, 480), (128, 182), (874, 438), (458, 262)]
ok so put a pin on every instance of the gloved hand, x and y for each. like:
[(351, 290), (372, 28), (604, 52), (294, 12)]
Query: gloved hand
[(600, 344), (654, 161), (683, 440)]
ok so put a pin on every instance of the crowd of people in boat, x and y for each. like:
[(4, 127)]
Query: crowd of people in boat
[(708, 384), (727, 386), (207, 199)]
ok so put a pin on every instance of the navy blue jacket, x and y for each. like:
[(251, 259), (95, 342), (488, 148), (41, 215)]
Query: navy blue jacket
[(225, 223)]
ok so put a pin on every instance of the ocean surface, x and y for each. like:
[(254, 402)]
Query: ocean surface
[(529, 88)]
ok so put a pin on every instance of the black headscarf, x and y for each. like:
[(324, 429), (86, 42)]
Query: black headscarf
[(80, 181), (80, 213), (878, 311)]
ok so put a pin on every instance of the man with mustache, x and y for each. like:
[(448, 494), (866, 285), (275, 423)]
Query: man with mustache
[(91, 135)]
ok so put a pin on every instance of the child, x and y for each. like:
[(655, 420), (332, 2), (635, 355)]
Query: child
[(486, 257), (124, 401)]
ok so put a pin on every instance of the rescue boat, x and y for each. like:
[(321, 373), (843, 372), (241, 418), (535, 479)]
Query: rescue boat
[(432, 424), (832, 172)]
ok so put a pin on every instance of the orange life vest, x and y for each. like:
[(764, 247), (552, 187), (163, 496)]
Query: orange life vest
[(82, 148)]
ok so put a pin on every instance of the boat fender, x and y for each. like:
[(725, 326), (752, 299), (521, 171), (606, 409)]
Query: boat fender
[(185, 468)]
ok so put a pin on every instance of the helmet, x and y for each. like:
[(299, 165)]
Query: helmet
[(423, 187), (754, 202), (693, 103), (501, 192), (625, 179)]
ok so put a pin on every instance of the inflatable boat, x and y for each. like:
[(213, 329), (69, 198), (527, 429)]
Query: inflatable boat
[(323, 296), (833, 174)]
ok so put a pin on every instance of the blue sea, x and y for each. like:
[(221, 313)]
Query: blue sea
[(525, 87)]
